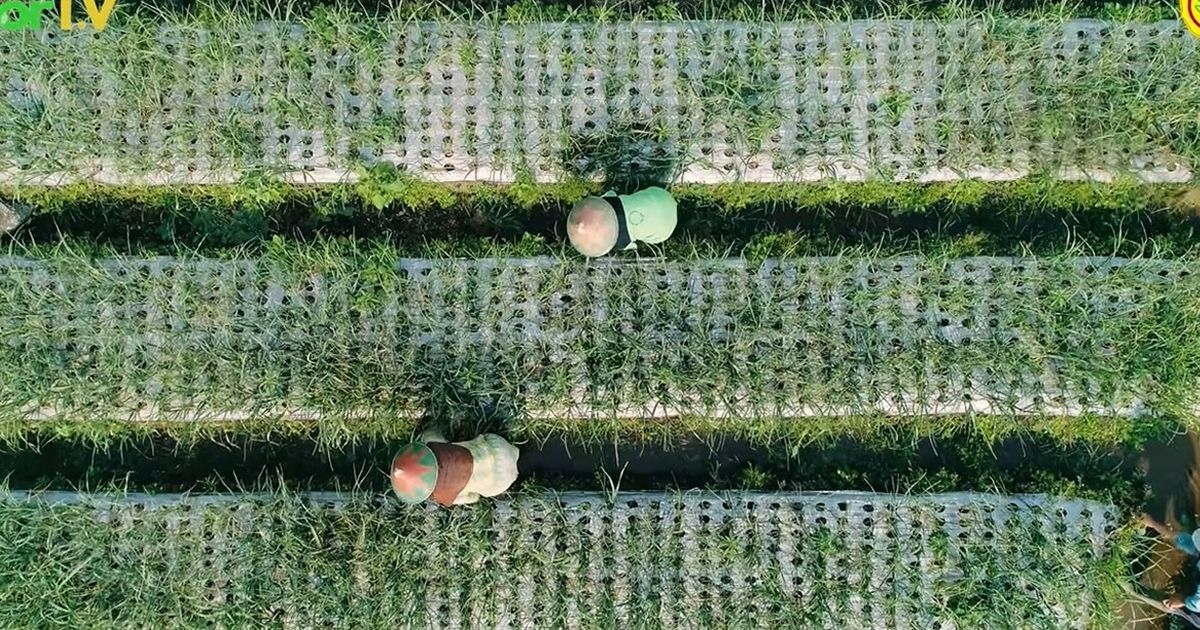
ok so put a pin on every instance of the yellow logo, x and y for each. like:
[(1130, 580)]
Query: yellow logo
[(1190, 11)]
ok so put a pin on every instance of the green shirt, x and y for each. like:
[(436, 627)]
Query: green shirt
[(650, 215)]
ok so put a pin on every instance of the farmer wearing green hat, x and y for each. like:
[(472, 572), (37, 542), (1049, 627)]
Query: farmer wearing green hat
[(599, 225), (453, 473)]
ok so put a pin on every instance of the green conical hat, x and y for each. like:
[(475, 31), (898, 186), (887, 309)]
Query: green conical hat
[(414, 473)]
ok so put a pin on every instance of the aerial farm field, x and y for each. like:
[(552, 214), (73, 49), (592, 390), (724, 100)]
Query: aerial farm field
[(919, 348)]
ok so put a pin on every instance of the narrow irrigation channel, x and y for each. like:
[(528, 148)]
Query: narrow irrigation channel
[(1028, 464), (967, 219)]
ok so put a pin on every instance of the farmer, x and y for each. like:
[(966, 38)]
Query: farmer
[(599, 225), (453, 473), (1188, 543)]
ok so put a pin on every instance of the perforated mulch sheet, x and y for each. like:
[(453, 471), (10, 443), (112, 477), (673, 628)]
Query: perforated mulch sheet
[(304, 335), (690, 101), (814, 560)]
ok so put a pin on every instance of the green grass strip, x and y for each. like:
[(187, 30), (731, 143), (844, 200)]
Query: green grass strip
[(470, 416), (212, 97), (357, 338), (660, 561), (526, 11)]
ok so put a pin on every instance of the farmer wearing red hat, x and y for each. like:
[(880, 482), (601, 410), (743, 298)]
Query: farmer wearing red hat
[(453, 473)]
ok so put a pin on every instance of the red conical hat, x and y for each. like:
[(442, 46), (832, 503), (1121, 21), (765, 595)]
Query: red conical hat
[(414, 473)]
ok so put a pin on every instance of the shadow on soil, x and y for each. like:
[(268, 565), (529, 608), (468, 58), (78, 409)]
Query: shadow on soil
[(807, 229), (627, 158), (928, 465)]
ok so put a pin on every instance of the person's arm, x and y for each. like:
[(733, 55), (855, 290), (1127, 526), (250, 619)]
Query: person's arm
[(1157, 526), (466, 498), (1164, 531)]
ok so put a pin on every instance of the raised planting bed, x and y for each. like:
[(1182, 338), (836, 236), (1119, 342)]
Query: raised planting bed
[(828, 560), (309, 333), (175, 99)]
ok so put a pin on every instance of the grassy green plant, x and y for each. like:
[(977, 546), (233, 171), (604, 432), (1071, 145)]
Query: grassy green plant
[(384, 185), (283, 559), (338, 429), (341, 331), (251, 98), (524, 11), (1091, 432)]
